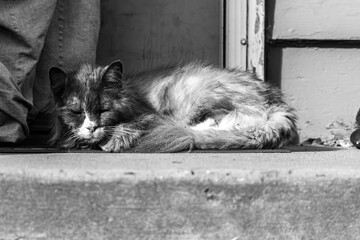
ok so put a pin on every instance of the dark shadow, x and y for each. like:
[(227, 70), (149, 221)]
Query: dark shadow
[(269, 20), (273, 55), (287, 149), (274, 58), (311, 148)]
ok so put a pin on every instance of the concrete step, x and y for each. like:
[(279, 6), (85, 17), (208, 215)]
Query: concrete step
[(284, 195)]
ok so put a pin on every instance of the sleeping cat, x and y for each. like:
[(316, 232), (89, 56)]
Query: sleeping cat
[(169, 109)]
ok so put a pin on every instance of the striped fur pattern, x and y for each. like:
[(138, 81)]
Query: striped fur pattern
[(169, 109)]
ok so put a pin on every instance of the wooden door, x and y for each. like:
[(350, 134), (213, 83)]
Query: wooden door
[(148, 33)]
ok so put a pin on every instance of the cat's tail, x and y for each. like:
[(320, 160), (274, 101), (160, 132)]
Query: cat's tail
[(170, 136)]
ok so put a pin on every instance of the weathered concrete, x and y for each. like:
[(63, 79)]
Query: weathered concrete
[(237, 167), (298, 195)]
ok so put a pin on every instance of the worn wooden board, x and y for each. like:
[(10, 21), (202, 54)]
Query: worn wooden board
[(146, 33), (245, 38), (256, 37), (315, 19), (322, 84)]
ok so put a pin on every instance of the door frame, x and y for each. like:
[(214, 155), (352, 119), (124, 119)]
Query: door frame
[(244, 35)]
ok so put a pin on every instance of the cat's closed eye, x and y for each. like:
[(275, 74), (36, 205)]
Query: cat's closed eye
[(75, 111), (104, 111)]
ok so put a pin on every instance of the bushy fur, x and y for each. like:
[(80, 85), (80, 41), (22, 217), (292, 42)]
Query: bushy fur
[(170, 109)]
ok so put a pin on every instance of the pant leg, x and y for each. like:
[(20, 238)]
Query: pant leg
[(77, 32), (13, 109), (71, 39), (23, 26)]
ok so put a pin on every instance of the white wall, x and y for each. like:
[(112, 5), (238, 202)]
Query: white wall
[(322, 80)]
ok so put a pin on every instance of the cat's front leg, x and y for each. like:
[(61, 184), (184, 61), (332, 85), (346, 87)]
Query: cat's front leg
[(123, 137)]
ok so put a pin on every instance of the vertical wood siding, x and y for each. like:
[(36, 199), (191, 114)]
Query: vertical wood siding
[(236, 31)]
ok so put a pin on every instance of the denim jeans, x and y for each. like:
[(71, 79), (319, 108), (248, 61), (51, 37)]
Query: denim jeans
[(34, 36)]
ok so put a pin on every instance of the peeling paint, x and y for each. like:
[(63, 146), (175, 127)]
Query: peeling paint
[(256, 37), (257, 24)]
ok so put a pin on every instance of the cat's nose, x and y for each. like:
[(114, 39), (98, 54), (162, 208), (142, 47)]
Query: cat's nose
[(91, 128)]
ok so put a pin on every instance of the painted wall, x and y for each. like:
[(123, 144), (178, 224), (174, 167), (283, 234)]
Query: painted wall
[(321, 82), (315, 19), (145, 33)]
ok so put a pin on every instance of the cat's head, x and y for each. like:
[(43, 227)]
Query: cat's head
[(85, 101)]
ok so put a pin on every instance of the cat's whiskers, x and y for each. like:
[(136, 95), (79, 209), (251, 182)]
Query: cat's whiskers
[(71, 136)]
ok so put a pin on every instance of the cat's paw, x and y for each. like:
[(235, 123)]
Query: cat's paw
[(114, 145), (119, 143), (123, 138)]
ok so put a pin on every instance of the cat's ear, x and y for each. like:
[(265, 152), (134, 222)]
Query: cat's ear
[(113, 73), (57, 81)]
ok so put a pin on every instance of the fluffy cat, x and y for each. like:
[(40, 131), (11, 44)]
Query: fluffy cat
[(169, 109)]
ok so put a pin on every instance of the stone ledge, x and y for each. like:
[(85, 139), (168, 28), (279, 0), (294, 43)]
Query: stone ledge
[(248, 167), (233, 196)]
